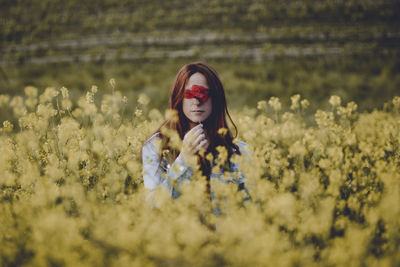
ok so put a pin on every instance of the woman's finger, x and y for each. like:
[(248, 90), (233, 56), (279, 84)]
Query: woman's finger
[(198, 132), (203, 145), (193, 133), (206, 144), (193, 138), (196, 128), (199, 139)]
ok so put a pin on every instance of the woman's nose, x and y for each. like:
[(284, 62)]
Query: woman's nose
[(196, 101)]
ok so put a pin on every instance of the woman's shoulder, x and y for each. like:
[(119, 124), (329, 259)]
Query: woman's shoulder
[(151, 142), (153, 137)]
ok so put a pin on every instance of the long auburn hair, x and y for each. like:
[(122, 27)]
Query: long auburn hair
[(211, 125)]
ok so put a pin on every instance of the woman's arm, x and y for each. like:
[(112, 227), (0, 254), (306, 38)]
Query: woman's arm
[(240, 181), (151, 171), (154, 173)]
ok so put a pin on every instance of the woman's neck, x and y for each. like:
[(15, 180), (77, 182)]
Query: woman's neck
[(192, 124)]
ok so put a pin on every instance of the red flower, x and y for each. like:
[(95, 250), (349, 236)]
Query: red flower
[(197, 91)]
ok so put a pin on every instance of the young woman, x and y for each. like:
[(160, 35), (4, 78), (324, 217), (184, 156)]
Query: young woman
[(198, 98)]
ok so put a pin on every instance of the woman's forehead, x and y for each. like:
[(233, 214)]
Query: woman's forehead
[(196, 79)]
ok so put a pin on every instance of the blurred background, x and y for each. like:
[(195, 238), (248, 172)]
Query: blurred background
[(261, 48)]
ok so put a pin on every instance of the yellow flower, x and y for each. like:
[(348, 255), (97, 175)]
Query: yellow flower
[(155, 115), (7, 126), (138, 112), (335, 101), (305, 103), (48, 95), (261, 105), (172, 115), (89, 97), (94, 89), (31, 91), (222, 131), (295, 101), (112, 82), (64, 92), (4, 100), (275, 103), (17, 104), (31, 103), (143, 99), (66, 104)]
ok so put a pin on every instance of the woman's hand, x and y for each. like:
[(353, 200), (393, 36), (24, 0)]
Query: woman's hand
[(194, 141)]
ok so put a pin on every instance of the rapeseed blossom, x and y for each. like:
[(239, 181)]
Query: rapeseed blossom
[(295, 101), (335, 101), (261, 104), (7, 126), (4, 100), (275, 103), (323, 194), (143, 99)]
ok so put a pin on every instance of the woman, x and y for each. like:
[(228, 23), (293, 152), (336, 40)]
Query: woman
[(198, 98)]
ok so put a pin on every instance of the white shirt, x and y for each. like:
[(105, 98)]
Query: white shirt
[(154, 172)]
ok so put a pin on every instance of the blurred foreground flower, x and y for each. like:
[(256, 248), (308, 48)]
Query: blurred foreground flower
[(335, 101), (261, 105), (275, 103), (321, 195), (143, 99)]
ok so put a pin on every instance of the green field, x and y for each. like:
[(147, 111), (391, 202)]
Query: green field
[(368, 81), (260, 48)]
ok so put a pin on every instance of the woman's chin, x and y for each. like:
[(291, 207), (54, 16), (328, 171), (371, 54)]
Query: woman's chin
[(197, 119)]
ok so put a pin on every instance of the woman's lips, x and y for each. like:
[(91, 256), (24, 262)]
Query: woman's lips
[(198, 111)]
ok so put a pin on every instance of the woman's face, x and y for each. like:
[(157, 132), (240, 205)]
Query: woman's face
[(193, 109)]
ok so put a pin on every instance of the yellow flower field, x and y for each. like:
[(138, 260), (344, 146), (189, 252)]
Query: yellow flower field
[(325, 193)]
